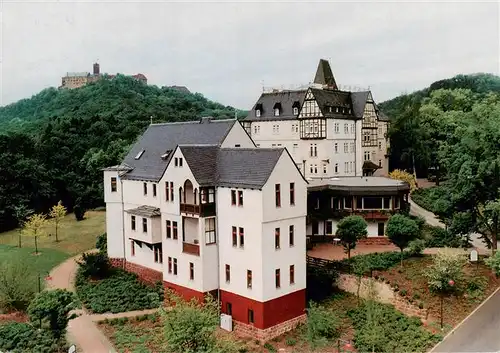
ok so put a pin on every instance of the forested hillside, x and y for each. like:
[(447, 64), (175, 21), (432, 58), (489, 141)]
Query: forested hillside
[(53, 145), (410, 134)]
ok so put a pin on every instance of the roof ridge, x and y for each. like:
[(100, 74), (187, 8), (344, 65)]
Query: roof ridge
[(253, 148), (193, 122)]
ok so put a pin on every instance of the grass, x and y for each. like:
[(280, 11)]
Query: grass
[(74, 237), (42, 263)]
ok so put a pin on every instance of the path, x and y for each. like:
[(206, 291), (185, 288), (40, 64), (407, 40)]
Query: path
[(478, 332), (83, 331)]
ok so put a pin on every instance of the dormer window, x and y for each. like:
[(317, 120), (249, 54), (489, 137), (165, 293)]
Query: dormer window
[(295, 111), (276, 112), (257, 113), (258, 110), (296, 106), (277, 109), (139, 155)]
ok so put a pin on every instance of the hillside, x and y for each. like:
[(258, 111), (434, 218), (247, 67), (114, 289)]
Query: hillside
[(410, 134), (54, 144)]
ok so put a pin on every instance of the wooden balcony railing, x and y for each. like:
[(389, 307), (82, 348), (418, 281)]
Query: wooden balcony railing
[(189, 208), (204, 210), (193, 249)]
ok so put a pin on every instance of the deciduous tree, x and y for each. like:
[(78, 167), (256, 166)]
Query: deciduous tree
[(349, 230), (401, 230), (57, 212), (21, 212), (34, 227)]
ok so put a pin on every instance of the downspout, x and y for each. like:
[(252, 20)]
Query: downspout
[(355, 149), (218, 257), (123, 223)]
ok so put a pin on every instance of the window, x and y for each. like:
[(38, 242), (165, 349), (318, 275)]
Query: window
[(380, 146), (242, 237), (166, 191), (336, 126), (346, 147), (346, 167), (171, 191), (249, 279), (113, 184), (311, 169), (277, 238), (373, 155), (324, 169), (277, 195), (174, 230), (353, 128), (235, 237), (380, 163), (257, 113), (175, 266), (291, 236), (336, 169), (228, 273), (169, 264), (295, 146), (145, 188), (237, 145), (292, 274), (276, 112), (132, 248), (292, 194), (132, 222), (176, 161), (329, 227), (352, 147), (229, 309), (240, 197), (158, 250), (233, 197), (210, 231), (144, 225), (154, 190), (346, 128), (169, 229), (313, 150), (295, 111), (277, 278), (180, 162), (336, 147), (191, 271), (250, 316)]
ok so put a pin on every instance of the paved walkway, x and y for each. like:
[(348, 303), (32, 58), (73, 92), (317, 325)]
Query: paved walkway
[(83, 331)]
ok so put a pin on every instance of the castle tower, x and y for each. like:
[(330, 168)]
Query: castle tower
[(96, 69), (324, 75)]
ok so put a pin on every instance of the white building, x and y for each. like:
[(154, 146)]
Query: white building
[(199, 207), (329, 132)]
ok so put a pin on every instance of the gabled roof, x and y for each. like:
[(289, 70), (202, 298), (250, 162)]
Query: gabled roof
[(324, 75), (267, 101), (331, 98), (145, 211), (160, 138), (231, 167), (359, 102), (382, 116)]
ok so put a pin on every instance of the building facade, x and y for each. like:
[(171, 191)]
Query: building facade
[(80, 79), (199, 207), (329, 132)]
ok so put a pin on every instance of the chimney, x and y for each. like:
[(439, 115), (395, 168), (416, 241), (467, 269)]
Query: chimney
[(96, 69)]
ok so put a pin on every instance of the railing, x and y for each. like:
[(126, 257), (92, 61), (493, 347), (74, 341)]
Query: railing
[(189, 208), (204, 210), (192, 249), (329, 265)]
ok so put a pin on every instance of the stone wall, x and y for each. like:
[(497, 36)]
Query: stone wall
[(247, 330), (385, 294), (375, 241), (145, 274)]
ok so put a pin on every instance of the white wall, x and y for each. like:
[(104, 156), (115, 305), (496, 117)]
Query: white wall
[(114, 215), (237, 136), (372, 227), (133, 193), (144, 256)]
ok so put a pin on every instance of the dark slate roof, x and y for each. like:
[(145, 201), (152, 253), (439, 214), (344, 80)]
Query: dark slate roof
[(160, 138), (231, 167), (333, 98), (359, 102), (370, 165), (145, 211), (267, 101), (382, 116), (324, 75)]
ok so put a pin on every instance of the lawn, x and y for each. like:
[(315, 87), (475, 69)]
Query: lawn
[(74, 237), (411, 281)]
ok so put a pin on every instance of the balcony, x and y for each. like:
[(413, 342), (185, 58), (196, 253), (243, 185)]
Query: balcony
[(203, 210), (193, 249), (188, 208)]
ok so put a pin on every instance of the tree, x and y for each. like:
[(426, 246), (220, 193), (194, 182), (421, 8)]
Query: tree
[(17, 284), (404, 176), (401, 230), (349, 230), (445, 273), (34, 227), (21, 212), (53, 306), (189, 327), (494, 263), (57, 212)]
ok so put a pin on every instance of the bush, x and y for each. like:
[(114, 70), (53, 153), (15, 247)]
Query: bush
[(430, 198), (102, 243), (120, 292), (437, 237), (290, 341), (269, 347), (322, 325), (394, 331), (494, 263), (18, 285), (416, 247), (79, 212), (380, 261), (22, 337), (95, 265)]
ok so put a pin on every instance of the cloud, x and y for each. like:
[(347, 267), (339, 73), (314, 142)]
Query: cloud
[(226, 49)]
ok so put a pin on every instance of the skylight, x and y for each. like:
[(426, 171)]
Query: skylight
[(139, 155)]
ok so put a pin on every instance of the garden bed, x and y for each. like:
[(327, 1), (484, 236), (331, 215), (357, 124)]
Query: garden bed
[(119, 292), (410, 282)]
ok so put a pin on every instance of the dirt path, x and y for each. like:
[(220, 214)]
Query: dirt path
[(83, 331)]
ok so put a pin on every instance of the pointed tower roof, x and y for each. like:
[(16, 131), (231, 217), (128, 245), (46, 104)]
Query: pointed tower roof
[(324, 75)]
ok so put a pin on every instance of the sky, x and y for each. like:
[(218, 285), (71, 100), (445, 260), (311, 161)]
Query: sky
[(229, 50)]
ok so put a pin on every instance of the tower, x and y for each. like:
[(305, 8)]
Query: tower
[(324, 75), (96, 69)]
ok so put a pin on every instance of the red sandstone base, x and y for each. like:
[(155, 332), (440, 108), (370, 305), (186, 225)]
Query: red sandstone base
[(264, 335), (145, 274), (375, 241)]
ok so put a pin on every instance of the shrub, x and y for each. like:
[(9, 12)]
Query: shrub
[(22, 337), (420, 305), (53, 306), (102, 243), (18, 285), (416, 247), (269, 347), (290, 341), (437, 237), (404, 176), (95, 265), (416, 296), (383, 329), (121, 291), (79, 212), (322, 325), (403, 292), (494, 263), (380, 261)]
